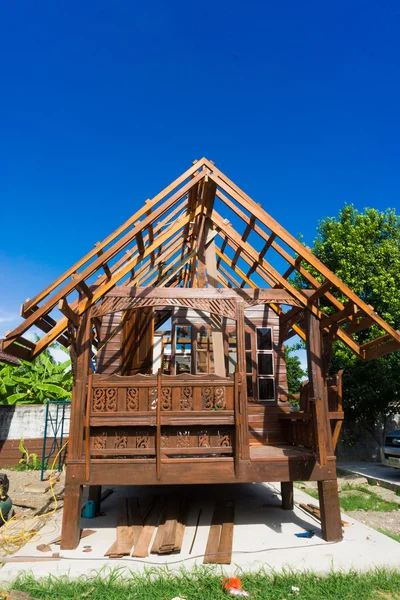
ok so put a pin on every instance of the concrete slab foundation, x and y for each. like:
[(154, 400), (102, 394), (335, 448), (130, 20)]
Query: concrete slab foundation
[(264, 536)]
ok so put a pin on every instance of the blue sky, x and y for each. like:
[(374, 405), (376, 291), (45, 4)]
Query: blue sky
[(102, 104)]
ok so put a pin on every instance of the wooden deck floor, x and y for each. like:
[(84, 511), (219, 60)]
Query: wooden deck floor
[(280, 452)]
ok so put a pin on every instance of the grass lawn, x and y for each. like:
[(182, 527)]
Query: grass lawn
[(366, 500), (205, 584)]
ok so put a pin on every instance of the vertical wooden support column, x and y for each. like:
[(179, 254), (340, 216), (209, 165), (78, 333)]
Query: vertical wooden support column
[(287, 495), (318, 389), (330, 510), (71, 521), (73, 490), (216, 320), (158, 426), (241, 358), (95, 496), (238, 445), (327, 490)]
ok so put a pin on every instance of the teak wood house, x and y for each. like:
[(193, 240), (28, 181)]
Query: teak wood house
[(176, 324)]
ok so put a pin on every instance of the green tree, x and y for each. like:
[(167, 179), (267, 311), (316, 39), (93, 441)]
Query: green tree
[(363, 249), (294, 371), (34, 382)]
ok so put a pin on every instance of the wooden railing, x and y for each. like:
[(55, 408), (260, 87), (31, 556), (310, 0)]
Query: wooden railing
[(303, 424), (180, 416)]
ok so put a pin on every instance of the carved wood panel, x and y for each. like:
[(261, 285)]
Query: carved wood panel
[(186, 399), (132, 399), (104, 399), (213, 398), (225, 307)]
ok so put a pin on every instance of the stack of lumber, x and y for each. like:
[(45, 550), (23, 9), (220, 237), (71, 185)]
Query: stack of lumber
[(171, 528), (315, 511), (135, 530), (159, 528)]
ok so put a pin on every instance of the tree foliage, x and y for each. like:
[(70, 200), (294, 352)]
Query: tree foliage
[(294, 371), (34, 382), (363, 249)]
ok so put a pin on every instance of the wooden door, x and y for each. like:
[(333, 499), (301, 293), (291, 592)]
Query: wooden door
[(137, 342)]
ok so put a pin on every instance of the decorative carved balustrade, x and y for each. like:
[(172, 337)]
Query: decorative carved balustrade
[(196, 416)]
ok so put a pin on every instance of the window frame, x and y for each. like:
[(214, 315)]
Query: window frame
[(271, 352)]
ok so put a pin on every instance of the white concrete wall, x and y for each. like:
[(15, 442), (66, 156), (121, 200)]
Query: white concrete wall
[(27, 421)]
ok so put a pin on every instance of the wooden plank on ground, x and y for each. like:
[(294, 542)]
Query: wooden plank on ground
[(124, 531), (124, 542), (226, 541), (214, 535), (141, 549), (134, 518), (180, 529), (158, 540), (84, 533), (171, 522)]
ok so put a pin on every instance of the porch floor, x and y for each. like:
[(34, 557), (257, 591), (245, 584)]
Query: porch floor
[(280, 452)]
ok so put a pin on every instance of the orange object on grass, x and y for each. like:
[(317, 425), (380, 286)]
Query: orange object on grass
[(232, 583)]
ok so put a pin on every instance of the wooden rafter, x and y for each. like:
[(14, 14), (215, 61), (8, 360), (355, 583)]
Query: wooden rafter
[(164, 243)]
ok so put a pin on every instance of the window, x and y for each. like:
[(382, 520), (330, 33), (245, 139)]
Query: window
[(204, 351), (265, 364), (183, 349), (232, 352), (249, 364)]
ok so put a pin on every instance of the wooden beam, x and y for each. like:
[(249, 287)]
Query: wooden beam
[(81, 307), (163, 282), (68, 312), (297, 294), (104, 265), (258, 267), (270, 242), (318, 390), (321, 291), (224, 243), (233, 281), (139, 241), (82, 286), (346, 314), (108, 254), (381, 350), (241, 364), (302, 251), (263, 295), (108, 240)]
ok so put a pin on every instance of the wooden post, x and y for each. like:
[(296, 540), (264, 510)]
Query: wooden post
[(71, 520), (87, 425), (158, 426), (95, 495), (83, 355), (73, 492), (317, 387), (327, 490), (238, 449), (287, 495), (330, 510), (216, 320), (241, 361)]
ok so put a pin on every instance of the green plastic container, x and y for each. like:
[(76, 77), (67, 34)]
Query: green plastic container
[(5, 507)]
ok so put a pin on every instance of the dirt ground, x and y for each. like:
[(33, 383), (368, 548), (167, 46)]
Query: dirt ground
[(389, 521), (30, 507)]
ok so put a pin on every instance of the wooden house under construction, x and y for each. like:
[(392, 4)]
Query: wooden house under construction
[(176, 324)]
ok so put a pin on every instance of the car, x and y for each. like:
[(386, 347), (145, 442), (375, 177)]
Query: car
[(390, 451)]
